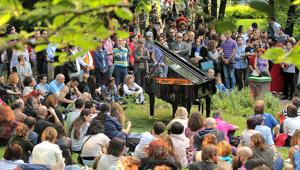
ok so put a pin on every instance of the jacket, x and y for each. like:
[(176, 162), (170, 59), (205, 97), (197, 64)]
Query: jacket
[(101, 59), (113, 128)]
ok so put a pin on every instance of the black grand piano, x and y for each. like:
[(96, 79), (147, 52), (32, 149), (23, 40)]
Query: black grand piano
[(184, 86)]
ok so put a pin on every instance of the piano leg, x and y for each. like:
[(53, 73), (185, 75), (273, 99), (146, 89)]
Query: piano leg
[(152, 103), (174, 107), (188, 107), (207, 105)]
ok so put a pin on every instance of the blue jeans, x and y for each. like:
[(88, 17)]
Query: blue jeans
[(229, 76), (120, 73)]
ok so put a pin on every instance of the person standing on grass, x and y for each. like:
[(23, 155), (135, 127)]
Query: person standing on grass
[(229, 49), (241, 64)]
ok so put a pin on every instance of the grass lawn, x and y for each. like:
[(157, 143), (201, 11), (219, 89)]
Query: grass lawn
[(139, 116)]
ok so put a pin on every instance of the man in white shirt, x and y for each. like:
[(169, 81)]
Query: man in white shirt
[(147, 137)]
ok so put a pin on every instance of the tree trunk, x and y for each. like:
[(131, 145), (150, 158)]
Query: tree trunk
[(222, 9), (214, 8), (205, 6), (272, 6), (290, 22)]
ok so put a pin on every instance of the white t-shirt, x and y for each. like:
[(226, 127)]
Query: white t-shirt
[(290, 125), (145, 140)]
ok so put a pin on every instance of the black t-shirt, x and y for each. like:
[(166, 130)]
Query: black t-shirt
[(40, 126)]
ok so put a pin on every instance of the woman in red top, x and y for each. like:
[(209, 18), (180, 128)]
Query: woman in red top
[(131, 45)]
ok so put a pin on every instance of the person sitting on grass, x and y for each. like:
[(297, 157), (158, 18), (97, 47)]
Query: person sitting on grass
[(130, 88), (224, 150), (147, 138), (243, 154), (294, 151), (225, 127), (115, 150), (12, 157), (219, 85), (210, 158), (180, 142), (21, 139), (181, 116), (32, 136), (291, 123)]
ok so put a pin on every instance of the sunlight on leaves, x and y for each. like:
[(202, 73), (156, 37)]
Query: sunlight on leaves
[(4, 18), (122, 34), (40, 47), (223, 26), (261, 5), (297, 2), (124, 13), (275, 54)]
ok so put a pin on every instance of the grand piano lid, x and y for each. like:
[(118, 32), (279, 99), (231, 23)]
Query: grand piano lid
[(181, 66)]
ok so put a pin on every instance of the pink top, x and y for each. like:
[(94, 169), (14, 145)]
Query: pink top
[(108, 45), (224, 127)]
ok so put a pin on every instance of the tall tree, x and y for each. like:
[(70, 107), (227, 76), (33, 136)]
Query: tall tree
[(205, 6), (222, 9), (214, 8), (291, 17)]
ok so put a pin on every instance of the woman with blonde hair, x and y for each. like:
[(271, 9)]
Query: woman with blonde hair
[(47, 152), (181, 116), (131, 88), (21, 138), (12, 85)]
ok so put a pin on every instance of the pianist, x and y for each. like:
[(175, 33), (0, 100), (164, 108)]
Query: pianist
[(130, 88)]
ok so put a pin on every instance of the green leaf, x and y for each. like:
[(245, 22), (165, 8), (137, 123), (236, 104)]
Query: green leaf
[(40, 47), (4, 18), (122, 34), (275, 54), (124, 13), (262, 5), (103, 32), (58, 20)]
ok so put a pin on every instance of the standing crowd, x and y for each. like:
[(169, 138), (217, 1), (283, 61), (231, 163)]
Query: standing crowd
[(48, 113)]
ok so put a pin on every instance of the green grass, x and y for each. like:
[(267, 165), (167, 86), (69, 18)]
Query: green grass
[(139, 116)]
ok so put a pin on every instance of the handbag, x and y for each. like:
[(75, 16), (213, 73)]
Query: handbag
[(206, 65), (280, 139), (79, 158)]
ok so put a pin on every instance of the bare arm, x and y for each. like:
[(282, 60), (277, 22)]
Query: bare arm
[(63, 94)]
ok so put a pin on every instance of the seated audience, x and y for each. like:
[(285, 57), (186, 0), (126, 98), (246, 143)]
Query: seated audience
[(224, 151), (115, 150), (22, 140), (209, 139), (294, 154), (147, 138), (225, 127), (243, 154), (18, 108), (291, 123), (47, 152), (269, 120), (130, 88), (52, 104), (261, 152), (180, 143), (23, 68), (42, 86), (114, 123), (8, 124), (264, 131), (248, 132), (79, 128), (71, 116), (181, 115), (209, 161), (210, 127), (32, 136), (94, 144), (92, 88), (158, 154), (64, 144), (12, 157)]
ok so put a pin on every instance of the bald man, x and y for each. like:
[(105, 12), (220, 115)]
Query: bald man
[(56, 85), (269, 120), (41, 120), (210, 125)]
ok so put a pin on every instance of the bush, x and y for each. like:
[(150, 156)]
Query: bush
[(243, 12), (241, 103)]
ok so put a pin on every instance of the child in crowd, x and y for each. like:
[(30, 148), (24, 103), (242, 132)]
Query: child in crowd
[(224, 150), (219, 85), (242, 156)]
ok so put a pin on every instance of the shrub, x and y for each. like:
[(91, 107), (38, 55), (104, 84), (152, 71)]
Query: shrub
[(243, 12), (241, 103)]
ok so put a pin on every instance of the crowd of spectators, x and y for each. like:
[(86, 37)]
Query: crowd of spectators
[(49, 113)]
